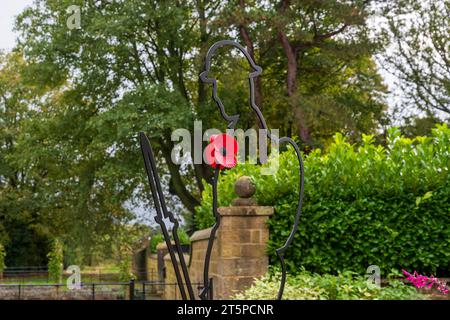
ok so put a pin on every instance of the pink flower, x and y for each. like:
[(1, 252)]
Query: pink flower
[(420, 281)]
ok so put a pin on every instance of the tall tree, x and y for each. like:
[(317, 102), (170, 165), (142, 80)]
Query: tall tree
[(20, 222), (419, 54), (322, 51), (333, 26), (113, 59)]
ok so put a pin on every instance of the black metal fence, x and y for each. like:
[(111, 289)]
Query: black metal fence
[(87, 291), (155, 290), (34, 283), (40, 275), (143, 290), (24, 274)]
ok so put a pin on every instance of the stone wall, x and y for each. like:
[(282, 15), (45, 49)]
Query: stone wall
[(152, 261), (171, 290), (152, 264), (199, 243)]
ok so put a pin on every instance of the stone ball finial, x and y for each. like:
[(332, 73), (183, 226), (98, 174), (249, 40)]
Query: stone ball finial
[(245, 189)]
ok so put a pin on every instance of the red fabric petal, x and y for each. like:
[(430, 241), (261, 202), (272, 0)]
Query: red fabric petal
[(214, 152), (226, 141), (213, 137), (209, 155), (228, 161)]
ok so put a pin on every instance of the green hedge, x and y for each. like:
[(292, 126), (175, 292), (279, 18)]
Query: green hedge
[(364, 204)]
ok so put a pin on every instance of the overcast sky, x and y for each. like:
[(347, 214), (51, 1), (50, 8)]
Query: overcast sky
[(9, 9)]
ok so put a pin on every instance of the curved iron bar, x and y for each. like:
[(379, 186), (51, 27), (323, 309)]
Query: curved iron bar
[(233, 119), (204, 293), (161, 213)]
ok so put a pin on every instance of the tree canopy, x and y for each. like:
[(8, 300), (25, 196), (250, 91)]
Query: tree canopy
[(419, 55)]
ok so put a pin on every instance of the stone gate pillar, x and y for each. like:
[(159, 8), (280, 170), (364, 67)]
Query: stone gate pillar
[(241, 242)]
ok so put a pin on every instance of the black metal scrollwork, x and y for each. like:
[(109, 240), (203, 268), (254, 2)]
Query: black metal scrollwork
[(232, 121)]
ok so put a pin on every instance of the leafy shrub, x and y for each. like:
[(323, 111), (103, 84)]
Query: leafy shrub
[(364, 205), (125, 273), (154, 240), (158, 238), (55, 261), (344, 286), (184, 237), (2, 258)]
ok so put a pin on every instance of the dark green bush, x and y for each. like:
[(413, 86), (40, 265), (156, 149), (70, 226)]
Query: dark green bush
[(2, 258), (364, 205), (157, 238), (55, 261), (184, 237), (154, 240)]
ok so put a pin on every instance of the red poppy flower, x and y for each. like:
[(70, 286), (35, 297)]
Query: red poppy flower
[(221, 151)]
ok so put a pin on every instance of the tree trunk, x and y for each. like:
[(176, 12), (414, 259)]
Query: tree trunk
[(291, 78), (291, 84), (251, 51), (176, 184), (201, 90)]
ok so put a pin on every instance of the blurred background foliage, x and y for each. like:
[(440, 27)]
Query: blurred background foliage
[(73, 101)]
